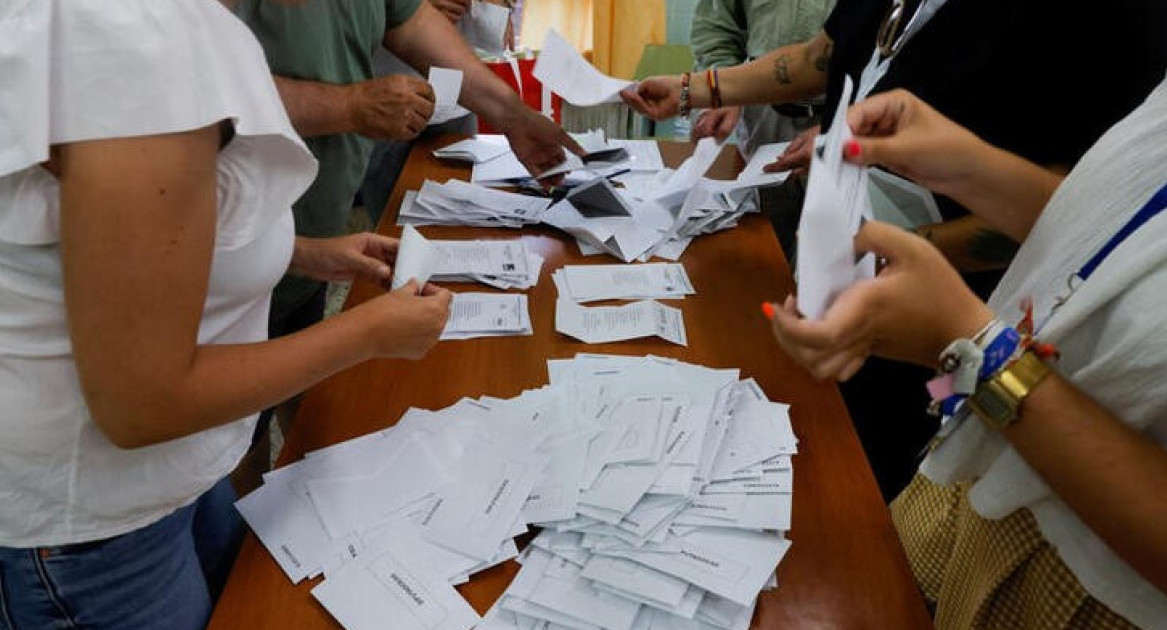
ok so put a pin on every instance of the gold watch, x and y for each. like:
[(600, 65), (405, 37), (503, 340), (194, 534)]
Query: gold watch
[(998, 400)]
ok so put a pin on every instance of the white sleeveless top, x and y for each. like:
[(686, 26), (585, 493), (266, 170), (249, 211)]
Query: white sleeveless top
[(79, 70)]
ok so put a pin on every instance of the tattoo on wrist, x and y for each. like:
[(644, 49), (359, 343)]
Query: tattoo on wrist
[(991, 246), (823, 62), (782, 70)]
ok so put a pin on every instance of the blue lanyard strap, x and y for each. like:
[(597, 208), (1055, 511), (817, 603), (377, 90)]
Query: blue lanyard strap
[(1154, 206)]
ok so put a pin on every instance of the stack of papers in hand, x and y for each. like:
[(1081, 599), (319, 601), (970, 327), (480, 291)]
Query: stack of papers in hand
[(503, 264), (589, 283), (460, 203), (447, 85), (487, 315), (662, 489)]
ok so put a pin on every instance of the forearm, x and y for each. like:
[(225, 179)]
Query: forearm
[(791, 73), (970, 244), (1005, 190), (223, 383), (1109, 475), (428, 39), (315, 108)]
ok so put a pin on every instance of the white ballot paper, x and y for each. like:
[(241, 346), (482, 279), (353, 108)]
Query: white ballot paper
[(447, 85), (460, 203), (589, 283), (836, 204), (601, 324), (474, 150), (394, 585), (416, 259), (503, 264), (487, 315), (561, 68), (484, 26)]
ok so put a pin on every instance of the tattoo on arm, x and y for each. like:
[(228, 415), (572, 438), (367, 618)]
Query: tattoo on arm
[(782, 70), (991, 246), (823, 61)]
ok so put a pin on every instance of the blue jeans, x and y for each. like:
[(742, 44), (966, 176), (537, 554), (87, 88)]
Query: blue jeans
[(164, 575)]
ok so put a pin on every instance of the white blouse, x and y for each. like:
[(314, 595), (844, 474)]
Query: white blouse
[(1112, 333), (79, 70)]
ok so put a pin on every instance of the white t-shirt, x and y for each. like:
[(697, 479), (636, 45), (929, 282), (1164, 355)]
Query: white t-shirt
[(90, 69)]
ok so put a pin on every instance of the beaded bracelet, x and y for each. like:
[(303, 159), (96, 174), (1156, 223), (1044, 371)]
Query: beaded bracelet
[(685, 105)]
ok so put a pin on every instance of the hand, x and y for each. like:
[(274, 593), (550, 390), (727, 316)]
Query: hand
[(903, 133), (452, 9), (538, 141), (656, 97), (911, 311), (404, 324), (365, 255), (718, 123), (394, 107), (796, 157)]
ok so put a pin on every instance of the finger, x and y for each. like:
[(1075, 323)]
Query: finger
[(409, 288), (424, 90), (851, 368), (832, 366), (774, 167), (886, 241), (880, 112), (725, 127), (632, 97), (380, 247), (372, 268)]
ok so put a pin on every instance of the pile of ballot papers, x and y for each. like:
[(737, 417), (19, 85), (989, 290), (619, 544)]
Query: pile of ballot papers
[(461, 203), (663, 490), (475, 315), (503, 264)]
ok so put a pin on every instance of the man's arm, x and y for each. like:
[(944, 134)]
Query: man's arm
[(719, 33), (394, 107), (428, 39)]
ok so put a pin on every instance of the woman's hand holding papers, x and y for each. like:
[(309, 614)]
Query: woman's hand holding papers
[(910, 311), (717, 123), (364, 255), (405, 323)]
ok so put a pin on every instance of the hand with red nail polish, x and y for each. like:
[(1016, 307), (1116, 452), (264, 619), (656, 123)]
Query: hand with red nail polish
[(899, 131)]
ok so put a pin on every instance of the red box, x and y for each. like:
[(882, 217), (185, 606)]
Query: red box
[(531, 92)]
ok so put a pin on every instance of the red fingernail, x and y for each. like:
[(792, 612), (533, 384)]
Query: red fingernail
[(852, 149), (768, 310)]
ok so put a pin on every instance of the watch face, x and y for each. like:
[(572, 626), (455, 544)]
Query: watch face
[(993, 405)]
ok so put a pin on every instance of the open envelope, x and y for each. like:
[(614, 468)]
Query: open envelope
[(836, 205)]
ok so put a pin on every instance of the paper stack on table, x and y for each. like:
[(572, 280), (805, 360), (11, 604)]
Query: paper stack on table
[(601, 157), (590, 283), (487, 315), (503, 264), (836, 205), (460, 203), (663, 490)]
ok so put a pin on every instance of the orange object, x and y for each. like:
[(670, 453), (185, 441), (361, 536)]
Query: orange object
[(768, 310)]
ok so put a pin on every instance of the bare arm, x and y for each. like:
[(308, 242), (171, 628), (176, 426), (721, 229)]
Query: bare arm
[(901, 132), (428, 39), (136, 255), (790, 73), (393, 107)]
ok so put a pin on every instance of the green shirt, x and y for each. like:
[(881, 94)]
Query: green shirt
[(331, 41), (731, 32)]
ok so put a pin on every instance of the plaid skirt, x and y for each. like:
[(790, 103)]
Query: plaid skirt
[(997, 575)]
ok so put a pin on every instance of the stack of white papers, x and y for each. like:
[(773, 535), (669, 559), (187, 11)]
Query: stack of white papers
[(663, 490), (487, 315), (590, 283), (604, 324), (503, 264), (473, 150), (836, 205), (460, 203)]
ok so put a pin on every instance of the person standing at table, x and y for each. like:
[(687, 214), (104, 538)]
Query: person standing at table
[(1012, 71), (321, 52), (728, 33), (1042, 506), (147, 170)]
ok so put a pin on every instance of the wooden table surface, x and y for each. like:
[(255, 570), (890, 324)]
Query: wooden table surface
[(846, 568)]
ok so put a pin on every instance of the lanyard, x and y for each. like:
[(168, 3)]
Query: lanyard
[(877, 67), (1156, 204)]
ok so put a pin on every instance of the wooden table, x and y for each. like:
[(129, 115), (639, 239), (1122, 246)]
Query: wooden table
[(846, 568)]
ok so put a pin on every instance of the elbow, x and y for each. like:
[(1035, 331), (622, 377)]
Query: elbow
[(136, 421)]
